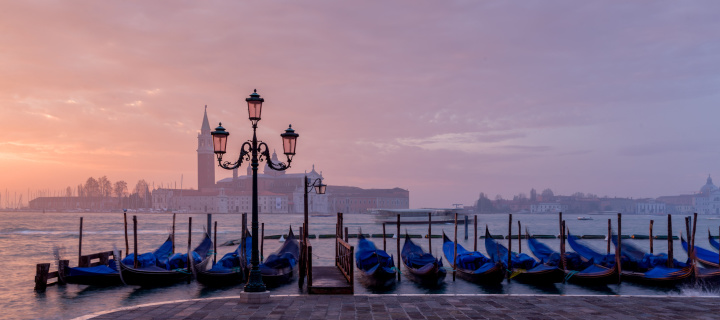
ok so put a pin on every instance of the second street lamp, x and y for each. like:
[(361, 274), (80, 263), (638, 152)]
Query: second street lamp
[(319, 189), (254, 151)]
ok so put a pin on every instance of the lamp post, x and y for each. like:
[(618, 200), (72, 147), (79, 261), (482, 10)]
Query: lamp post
[(254, 151), (319, 188)]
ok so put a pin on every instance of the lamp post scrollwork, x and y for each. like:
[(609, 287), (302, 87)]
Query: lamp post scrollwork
[(254, 151)]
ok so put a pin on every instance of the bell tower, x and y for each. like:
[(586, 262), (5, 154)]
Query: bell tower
[(206, 157)]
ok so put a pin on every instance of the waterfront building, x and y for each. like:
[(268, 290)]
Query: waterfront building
[(707, 201), (650, 206), (623, 205), (279, 191), (548, 207)]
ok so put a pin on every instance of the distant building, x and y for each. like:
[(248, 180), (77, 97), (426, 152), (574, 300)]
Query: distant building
[(548, 207), (279, 191), (707, 201), (680, 204), (650, 206), (621, 205)]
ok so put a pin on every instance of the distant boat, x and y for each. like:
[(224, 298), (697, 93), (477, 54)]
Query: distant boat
[(585, 218), (282, 238)]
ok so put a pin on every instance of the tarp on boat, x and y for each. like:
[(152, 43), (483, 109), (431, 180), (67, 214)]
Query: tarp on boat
[(415, 257), (368, 256), (110, 268), (468, 260), (499, 253)]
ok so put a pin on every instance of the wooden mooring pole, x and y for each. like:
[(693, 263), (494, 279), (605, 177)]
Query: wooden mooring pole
[(687, 232), (135, 249), (618, 248), (215, 245), (262, 241), (609, 235), (476, 235), (399, 259), (560, 221), (519, 236), (80, 245), (651, 236), (189, 254), (173, 234), (127, 245), (455, 249), (430, 232), (509, 260), (563, 261), (41, 276), (466, 227), (694, 228), (384, 240), (670, 243)]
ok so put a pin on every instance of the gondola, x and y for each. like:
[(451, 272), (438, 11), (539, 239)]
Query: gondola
[(524, 268), (708, 259), (648, 269), (714, 243), (473, 266), (279, 266), (377, 268), (160, 268), (102, 275), (578, 269), (231, 269), (422, 267)]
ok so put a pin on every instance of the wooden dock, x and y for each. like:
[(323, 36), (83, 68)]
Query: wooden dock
[(337, 279), (329, 280)]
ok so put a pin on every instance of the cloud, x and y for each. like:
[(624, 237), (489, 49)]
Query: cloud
[(124, 84), (469, 142)]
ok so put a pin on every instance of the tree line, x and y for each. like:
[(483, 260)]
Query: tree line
[(101, 193)]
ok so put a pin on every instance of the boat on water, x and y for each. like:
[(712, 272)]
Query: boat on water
[(523, 268), (100, 275), (422, 266), (377, 267), (231, 269), (279, 267), (578, 270), (473, 266), (709, 259), (714, 243), (161, 267), (648, 269), (585, 218), (416, 216)]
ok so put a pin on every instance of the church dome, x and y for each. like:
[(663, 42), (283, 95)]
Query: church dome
[(708, 187)]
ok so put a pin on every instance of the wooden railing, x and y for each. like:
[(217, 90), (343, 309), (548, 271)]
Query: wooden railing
[(305, 263), (100, 258), (345, 259)]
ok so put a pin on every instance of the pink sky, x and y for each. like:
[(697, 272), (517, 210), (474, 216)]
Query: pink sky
[(444, 99)]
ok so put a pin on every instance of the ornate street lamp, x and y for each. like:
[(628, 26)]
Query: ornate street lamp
[(254, 151), (319, 188)]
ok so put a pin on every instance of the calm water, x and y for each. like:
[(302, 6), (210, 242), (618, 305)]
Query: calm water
[(28, 238)]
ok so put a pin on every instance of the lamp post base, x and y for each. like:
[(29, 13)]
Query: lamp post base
[(255, 297)]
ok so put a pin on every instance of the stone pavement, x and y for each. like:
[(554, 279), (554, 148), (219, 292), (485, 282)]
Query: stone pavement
[(431, 307)]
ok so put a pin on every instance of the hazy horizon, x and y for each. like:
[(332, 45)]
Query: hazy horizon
[(447, 101)]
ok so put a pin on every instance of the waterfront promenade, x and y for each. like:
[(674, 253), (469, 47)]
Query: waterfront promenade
[(430, 307)]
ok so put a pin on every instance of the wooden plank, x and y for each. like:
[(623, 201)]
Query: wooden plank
[(329, 280)]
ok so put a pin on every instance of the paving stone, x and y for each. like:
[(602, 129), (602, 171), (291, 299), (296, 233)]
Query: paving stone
[(433, 307)]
